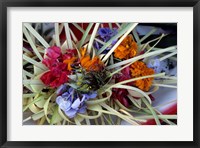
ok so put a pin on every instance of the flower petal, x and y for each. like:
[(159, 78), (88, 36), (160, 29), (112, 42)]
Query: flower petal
[(66, 94), (82, 109), (91, 95), (71, 113), (53, 52), (76, 103), (64, 105), (61, 89), (59, 99)]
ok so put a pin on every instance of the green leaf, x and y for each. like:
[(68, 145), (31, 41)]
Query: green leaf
[(41, 102), (152, 111), (136, 36), (33, 46), (78, 27), (46, 107), (97, 101), (37, 70), (36, 34), (37, 88), (133, 88), (57, 33), (85, 35), (56, 116), (28, 74), (36, 99), (38, 115), (148, 34), (68, 36), (63, 116), (163, 85), (35, 63), (92, 37), (124, 117), (136, 102)]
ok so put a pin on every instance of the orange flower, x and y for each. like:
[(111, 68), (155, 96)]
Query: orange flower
[(139, 69), (69, 62), (94, 64), (127, 49), (83, 52)]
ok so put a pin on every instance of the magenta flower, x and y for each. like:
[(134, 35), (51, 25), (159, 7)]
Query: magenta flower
[(53, 52)]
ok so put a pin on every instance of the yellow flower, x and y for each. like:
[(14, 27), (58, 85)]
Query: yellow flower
[(127, 49), (139, 69)]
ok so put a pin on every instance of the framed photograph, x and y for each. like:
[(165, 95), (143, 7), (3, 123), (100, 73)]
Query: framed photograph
[(99, 73)]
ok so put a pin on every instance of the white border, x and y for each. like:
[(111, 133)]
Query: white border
[(182, 132)]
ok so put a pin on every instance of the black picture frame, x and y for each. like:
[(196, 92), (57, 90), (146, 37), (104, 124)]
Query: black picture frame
[(4, 4)]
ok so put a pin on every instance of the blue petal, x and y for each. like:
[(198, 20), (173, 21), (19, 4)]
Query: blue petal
[(70, 90), (61, 89), (155, 64), (91, 95), (66, 94), (82, 109), (59, 99), (103, 31), (76, 103), (64, 105), (71, 113), (83, 98)]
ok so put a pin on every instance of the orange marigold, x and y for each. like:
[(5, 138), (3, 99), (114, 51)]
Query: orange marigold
[(127, 49), (139, 69), (94, 64)]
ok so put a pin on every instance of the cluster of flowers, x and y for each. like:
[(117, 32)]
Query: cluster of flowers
[(78, 76)]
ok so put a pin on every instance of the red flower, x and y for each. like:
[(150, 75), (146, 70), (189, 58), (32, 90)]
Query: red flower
[(58, 71), (50, 62), (125, 75), (121, 94), (56, 76)]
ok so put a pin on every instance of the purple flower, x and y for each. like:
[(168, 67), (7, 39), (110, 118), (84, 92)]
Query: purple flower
[(154, 63), (61, 89), (105, 34), (71, 102), (161, 66), (90, 95)]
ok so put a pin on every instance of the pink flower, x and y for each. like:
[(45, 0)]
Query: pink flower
[(53, 52), (58, 71)]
